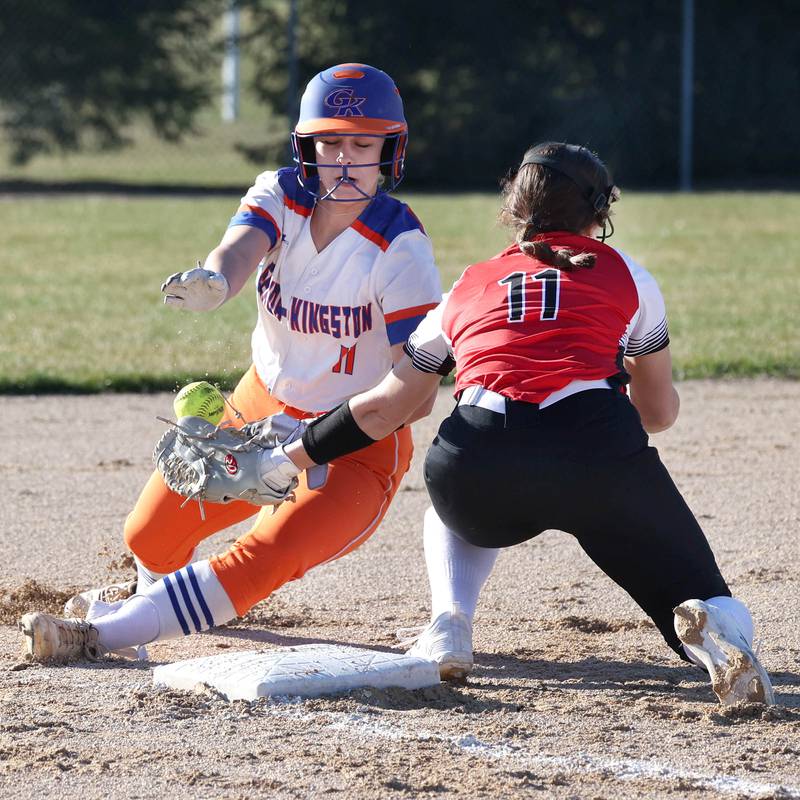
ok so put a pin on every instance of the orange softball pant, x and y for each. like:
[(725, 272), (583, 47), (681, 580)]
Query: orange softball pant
[(322, 525)]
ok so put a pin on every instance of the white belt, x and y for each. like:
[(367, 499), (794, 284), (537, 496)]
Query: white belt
[(484, 398)]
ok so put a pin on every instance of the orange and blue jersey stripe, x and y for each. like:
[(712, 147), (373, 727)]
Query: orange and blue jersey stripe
[(256, 217), (384, 219), (401, 324), (295, 197)]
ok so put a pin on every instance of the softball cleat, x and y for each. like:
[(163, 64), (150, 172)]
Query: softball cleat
[(77, 607), (447, 641), (713, 638), (48, 638)]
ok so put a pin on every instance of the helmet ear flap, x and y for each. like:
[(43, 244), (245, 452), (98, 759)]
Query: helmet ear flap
[(305, 155), (400, 156), (393, 155), (388, 154)]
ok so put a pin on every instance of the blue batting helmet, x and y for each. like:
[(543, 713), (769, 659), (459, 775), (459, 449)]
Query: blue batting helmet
[(351, 100)]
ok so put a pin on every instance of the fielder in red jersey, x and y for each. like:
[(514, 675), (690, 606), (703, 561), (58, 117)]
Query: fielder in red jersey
[(561, 346), (527, 330)]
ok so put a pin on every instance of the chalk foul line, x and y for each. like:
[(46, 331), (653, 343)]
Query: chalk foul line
[(366, 727)]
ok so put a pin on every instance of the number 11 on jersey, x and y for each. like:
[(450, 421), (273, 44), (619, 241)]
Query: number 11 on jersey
[(551, 291), (347, 360)]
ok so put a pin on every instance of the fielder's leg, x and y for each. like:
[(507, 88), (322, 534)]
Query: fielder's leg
[(456, 572), (649, 542)]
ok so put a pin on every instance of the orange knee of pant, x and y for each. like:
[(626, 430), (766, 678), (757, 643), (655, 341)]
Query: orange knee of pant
[(322, 525), (160, 533), (163, 533)]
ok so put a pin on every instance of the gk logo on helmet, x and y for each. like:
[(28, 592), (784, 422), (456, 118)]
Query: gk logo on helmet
[(345, 103), (230, 464)]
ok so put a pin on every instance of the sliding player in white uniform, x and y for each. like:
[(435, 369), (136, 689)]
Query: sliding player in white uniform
[(344, 273)]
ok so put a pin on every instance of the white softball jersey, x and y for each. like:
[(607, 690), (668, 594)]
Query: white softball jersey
[(327, 320)]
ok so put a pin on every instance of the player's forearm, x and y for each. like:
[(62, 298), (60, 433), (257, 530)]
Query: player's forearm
[(379, 421), (238, 254), (405, 395), (425, 408), (365, 418), (297, 453), (658, 413), (330, 437), (237, 267), (365, 427), (651, 390), (360, 422)]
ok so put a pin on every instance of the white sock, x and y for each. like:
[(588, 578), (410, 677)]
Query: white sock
[(187, 601), (134, 623), (456, 570), (735, 610), (146, 577)]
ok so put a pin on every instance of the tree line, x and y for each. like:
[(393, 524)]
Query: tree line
[(480, 81)]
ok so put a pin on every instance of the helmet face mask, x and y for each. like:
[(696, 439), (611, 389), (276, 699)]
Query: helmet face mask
[(391, 166), (350, 100)]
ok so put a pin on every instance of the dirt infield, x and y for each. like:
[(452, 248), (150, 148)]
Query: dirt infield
[(574, 694)]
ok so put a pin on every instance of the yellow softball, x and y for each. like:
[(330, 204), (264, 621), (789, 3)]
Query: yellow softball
[(199, 399)]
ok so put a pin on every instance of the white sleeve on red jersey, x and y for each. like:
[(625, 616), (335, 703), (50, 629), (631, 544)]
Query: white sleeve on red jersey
[(410, 284), (428, 347), (263, 207), (647, 331)]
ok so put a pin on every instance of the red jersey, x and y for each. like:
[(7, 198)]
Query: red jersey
[(523, 329)]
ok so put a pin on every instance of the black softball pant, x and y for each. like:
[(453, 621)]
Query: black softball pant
[(583, 466)]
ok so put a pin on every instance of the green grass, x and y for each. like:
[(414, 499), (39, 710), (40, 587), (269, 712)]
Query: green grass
[(80, 306), (207, 159), (729, 268)]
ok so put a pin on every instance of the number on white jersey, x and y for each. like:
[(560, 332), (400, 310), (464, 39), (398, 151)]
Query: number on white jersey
[(347, 360)]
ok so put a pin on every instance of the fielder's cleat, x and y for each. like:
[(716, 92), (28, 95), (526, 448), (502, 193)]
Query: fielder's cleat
[(48, 638), (714, 639), (77, 607), (447, 641)]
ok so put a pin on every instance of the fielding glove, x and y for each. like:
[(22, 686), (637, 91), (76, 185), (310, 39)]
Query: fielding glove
[(219, 465)]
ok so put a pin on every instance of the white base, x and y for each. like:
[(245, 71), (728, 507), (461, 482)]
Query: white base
[(308, 670)]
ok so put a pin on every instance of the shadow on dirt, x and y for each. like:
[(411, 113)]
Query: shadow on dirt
[(260, 636), (637, 679)]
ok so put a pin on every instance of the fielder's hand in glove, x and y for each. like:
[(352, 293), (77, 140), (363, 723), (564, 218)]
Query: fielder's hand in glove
[(196, 290), (219, 465)]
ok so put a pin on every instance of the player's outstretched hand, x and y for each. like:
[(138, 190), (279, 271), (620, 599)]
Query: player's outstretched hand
[(275, 465), (220, 465), (196, 290)]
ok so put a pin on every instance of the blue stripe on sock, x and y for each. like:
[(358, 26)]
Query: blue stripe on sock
[(176, 606), (199, 595), (188, 601)]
